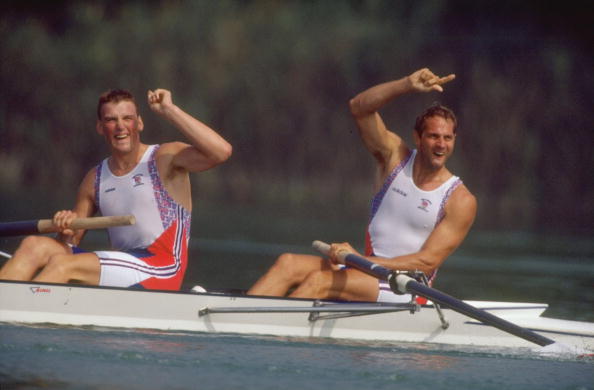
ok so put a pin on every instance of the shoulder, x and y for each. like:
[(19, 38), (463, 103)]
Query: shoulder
[(90, 176), (87, 186), (462, 202), (399, 153)]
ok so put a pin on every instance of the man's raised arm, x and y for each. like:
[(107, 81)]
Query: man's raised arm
[(387, 147), (208, 147)]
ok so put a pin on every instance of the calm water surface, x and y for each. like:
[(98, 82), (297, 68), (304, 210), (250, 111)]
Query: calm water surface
[(73, 358)]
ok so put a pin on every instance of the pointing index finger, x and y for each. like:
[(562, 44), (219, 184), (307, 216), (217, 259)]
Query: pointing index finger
[(446, 79)]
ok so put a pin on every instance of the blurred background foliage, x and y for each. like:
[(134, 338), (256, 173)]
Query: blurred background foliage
[(274, 78)]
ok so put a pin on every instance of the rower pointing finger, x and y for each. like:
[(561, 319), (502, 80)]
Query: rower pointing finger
[(425, 81)]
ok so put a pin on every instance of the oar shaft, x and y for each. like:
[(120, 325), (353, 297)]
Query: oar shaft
[(483, 316), (401, 283), (42, 226)]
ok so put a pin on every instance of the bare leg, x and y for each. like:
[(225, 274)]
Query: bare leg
[(32, 255), (289, 270), (345, 284), (63, 268)]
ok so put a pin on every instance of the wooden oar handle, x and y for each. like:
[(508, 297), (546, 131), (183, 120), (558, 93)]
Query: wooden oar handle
[(47, 226), (321, 247), (324, 249)]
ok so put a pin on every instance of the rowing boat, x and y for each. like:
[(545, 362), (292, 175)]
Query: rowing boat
[(442, 320), (227, 312)]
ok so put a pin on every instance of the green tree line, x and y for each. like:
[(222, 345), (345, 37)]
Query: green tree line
[(275, 77)]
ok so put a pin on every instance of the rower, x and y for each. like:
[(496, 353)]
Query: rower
[(421, 212), (150, 182)]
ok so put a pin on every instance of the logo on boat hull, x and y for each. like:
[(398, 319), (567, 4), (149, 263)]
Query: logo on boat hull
[(38, 290)]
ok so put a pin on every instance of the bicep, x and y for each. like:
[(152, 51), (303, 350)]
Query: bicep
[(85, 202), (454, 227), (175, 156), (85, 198), (386, 147)]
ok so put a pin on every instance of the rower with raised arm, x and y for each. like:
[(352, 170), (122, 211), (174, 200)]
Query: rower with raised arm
[(150, 182), (420, 214)]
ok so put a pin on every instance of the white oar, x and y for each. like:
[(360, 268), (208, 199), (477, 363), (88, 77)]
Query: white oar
[(41, 226), (401, 284)]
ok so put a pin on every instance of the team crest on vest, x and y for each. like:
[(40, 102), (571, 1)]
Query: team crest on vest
[(425, 203), (137, 180)]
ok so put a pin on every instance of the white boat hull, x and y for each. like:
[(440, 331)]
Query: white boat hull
[(31, 303)]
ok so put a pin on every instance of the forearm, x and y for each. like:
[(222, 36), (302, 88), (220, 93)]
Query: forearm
[(84, 208), (419, 261), (71, 240), (200, 136), (374, 98)]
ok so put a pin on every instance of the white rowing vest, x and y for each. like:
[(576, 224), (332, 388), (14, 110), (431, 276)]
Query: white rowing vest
[(402, 215), (140, 193)]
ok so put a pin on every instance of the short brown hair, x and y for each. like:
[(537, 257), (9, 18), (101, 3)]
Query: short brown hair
[(114, 96), (435, 109)]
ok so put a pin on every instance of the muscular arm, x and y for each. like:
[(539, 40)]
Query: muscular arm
[(387, 147), (207, 148), (84, 207), (445, 238)]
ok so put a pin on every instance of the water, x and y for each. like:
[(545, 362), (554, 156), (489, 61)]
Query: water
[(73, 358), (488, 267)]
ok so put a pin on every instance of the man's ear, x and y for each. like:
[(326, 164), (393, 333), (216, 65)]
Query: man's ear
[(416, 138), (98, 127), (140, 123)]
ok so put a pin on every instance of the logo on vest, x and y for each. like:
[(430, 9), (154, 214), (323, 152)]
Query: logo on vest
[(137, 180), (399, 191), (425, 203)]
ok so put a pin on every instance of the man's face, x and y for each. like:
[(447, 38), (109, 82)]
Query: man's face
[(436, 143), (121, 125)]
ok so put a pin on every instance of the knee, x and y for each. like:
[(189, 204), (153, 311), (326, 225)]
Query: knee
[(36, 250), (32, 243), (41, 245), (286, 264)]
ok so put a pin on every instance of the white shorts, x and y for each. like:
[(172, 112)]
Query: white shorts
[(387, 295), (122, 269)]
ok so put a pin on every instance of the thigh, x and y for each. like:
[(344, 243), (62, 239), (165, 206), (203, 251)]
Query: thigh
[(353, 285), (85, 268), (303, 265), (120, 269), (346, 284), (123, 269), (65, 268)]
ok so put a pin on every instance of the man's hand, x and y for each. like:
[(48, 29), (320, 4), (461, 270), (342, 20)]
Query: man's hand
[(336, 250), (160, 100), (425, 81), (63, 219)]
